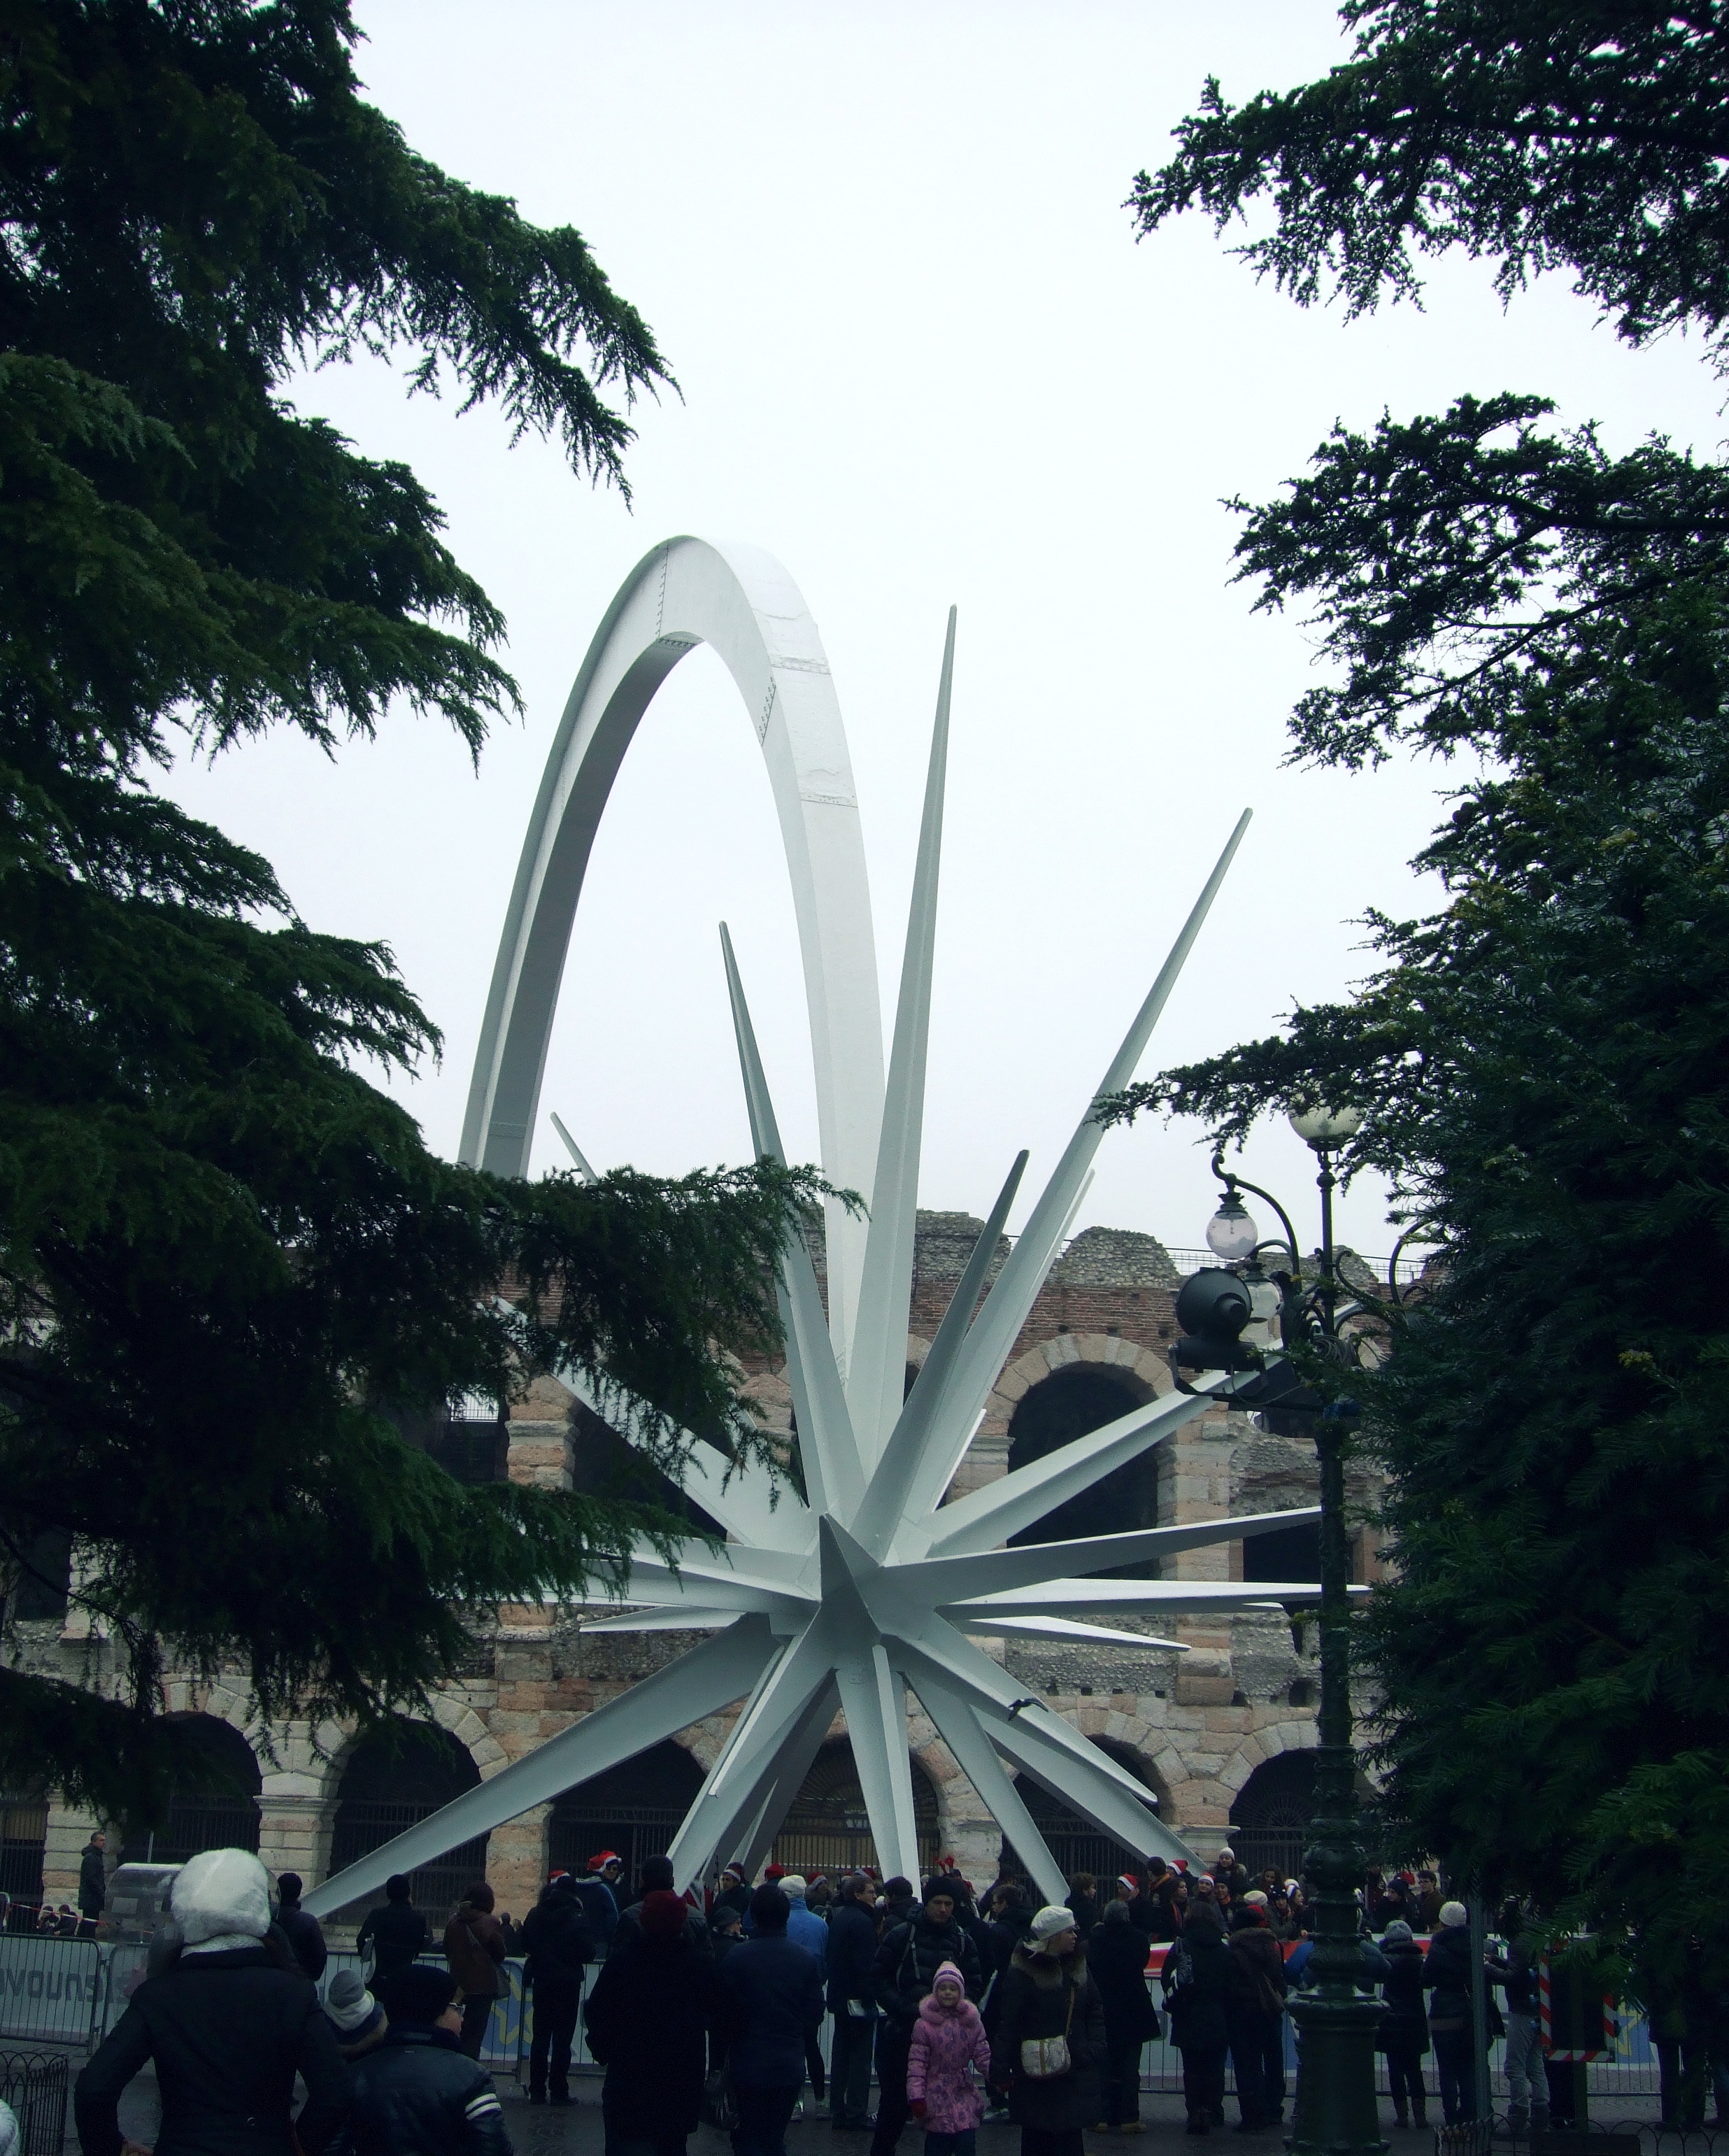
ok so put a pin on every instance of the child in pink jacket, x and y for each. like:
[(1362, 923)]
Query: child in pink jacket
[(948, 2041)]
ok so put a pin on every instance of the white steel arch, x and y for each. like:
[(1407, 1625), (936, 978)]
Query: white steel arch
[(741, 603)]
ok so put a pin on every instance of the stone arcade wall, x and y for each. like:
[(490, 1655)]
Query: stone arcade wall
[(1198, 1723)]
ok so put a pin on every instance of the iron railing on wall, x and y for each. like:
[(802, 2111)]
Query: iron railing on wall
[(35, 2086)]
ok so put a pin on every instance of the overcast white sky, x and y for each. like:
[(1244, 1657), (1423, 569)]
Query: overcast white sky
[(922, 361)]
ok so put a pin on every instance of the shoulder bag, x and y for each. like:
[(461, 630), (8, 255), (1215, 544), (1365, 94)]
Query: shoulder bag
[(1044, 2058)]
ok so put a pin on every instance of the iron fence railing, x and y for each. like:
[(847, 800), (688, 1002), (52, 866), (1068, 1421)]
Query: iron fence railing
[(35, 2086)]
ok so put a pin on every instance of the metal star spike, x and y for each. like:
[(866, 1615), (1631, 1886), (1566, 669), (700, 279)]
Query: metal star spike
[(872, 1587)]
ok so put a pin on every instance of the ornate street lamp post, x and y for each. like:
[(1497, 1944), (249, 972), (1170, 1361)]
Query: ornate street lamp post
[(1335, 2111)]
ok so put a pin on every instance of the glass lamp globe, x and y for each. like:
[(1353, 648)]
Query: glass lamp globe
[(1264, 1299), (1323, 1127), (1231, 1233)]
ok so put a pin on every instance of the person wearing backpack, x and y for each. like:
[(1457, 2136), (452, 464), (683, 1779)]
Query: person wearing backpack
[(1403, 2033), (1255, 2016), (1197, 1980), (1049, 2042), (559, 1943)]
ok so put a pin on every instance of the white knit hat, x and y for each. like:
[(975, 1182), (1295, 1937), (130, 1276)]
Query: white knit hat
[(10, 2140), (348, 2002), (1454, 1915), (1052, 1919), (221, 1898), (792, 1886)]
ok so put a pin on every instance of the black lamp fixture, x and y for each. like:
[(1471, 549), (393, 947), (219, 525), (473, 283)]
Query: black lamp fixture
[(1335, 2109)]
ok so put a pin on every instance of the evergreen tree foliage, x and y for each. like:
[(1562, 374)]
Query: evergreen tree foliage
[(1588, 136), (1541, 1061), (230, 1268)]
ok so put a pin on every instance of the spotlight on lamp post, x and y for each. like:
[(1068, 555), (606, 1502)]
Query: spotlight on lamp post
[(1335, 2114)]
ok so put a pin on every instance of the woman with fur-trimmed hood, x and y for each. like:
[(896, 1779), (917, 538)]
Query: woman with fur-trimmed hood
[(1047, 1994)]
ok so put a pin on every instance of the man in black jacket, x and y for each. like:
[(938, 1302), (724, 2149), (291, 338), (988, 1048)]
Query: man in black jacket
[(852, 1953), (559, 1943), (654, 1875), (304, 1933), (396, 1932), (904, 1972), (93, 1877), (419, 2093), (226, 2026)]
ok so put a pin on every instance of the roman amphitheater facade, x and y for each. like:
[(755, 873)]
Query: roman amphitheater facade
[(1214, 1732)]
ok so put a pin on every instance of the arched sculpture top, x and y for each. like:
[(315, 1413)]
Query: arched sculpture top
[(739, 601)]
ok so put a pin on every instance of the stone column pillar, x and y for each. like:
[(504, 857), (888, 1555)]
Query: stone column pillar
[(517, 1861), (68, 1830), (539, 1453), (295, 1826)]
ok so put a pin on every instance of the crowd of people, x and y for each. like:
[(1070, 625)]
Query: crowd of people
[(962, 2009)]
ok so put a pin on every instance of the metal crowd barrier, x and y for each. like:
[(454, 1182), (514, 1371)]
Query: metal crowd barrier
[(72, 1992)]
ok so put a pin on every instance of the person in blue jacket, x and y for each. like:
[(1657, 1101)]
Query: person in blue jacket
[(771, 2004)]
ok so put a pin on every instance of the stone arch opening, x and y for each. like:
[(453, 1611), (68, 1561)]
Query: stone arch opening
[(826, 1828), (393, 1778), (1071, 1402), (1076, 1843), (634, 1810), (216, 1809)]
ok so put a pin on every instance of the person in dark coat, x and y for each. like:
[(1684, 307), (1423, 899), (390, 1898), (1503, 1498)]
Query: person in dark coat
[(735, 1891), (1048, 1992), (1231, 1876), (475, 1949), (396, 1932), (1447, 1977), (654, 1875), (597, 1890), (558, 1945), (1255, 2016), (93, 1877), (1010, 1922), (1515, 1969), (357, 2021), (1161, 1915), (903, 1974), (1084, 1900), (647, 2019), (304, 1933), (418, 2093), (900, 1898), (1197, 1981), (852, 2001), (1403, 2033), (227, 2028), (770, 2002), (1116, 1961)]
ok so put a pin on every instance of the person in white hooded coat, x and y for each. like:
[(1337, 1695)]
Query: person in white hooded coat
[(228, 2025)]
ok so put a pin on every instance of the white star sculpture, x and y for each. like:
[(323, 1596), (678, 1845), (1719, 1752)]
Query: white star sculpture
[(872, 1585)]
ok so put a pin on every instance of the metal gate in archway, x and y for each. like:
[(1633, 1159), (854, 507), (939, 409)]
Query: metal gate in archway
[(633, 1809), (827, 1829)]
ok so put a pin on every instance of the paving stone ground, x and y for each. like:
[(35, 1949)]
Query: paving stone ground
[(577, 2130)]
